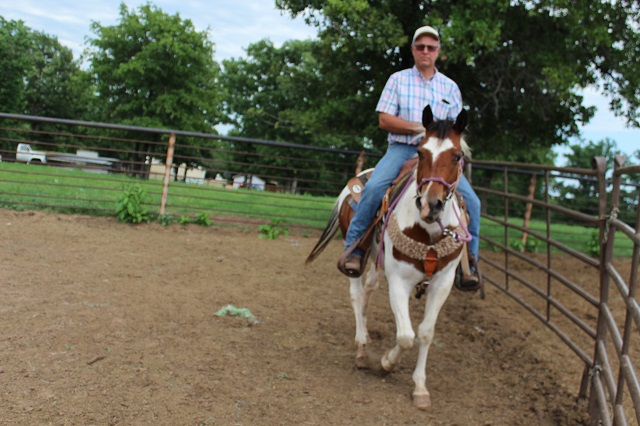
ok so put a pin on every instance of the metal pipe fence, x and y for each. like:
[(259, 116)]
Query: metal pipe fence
[(532, 217), (599, 327), (229, 179)]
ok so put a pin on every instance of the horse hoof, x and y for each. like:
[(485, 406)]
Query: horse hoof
[(422, 402), (386, 365), (362, 363)]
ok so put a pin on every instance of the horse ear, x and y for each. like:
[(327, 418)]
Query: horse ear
[(461, 121), (427, 116)]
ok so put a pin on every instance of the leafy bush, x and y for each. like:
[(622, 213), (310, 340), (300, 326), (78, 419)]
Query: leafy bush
[(273, 230), (165, 219), (203, 219), (531, 246), (129, 205)]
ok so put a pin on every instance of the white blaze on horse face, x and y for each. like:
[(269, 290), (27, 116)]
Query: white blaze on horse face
[(436, 147)]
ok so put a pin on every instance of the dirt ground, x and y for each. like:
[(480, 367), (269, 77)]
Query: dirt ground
[(110, 324)]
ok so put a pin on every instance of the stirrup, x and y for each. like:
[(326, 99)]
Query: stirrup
[(349, 272)]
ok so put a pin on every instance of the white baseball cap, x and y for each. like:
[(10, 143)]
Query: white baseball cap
[(426, 30)]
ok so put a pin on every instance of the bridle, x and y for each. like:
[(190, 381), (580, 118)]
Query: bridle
[(451, 187)]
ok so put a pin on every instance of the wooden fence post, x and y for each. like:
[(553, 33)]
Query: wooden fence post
[(167, 173), (527, 212)]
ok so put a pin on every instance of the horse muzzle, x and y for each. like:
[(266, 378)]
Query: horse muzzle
[(431, 209)]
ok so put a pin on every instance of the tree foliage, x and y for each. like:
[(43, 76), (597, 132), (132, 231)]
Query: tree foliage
[(14, 62), (153, 69), (518, 63), (56, 85), (40, 76), (280, 94), (581, 193)]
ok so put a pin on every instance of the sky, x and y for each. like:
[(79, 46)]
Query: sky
[(233, 25)]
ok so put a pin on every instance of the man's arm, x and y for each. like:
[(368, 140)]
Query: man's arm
[(394, 124)]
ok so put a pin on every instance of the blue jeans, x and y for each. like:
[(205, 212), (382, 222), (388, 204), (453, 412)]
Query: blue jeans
[(385, 172), (473, 208)]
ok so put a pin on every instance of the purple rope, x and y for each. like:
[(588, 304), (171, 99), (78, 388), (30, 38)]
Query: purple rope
[(386, 220)]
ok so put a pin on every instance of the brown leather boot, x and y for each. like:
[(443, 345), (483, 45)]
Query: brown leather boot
[(351, 264), (471, 282)]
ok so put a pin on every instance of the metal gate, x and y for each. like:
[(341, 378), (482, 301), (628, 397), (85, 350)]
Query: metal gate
[(518, 201)]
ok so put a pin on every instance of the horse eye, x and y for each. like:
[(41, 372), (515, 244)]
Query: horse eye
[(420, 154), (457, 158)]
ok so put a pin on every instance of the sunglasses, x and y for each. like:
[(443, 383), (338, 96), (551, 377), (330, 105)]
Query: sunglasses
[(429, 47)]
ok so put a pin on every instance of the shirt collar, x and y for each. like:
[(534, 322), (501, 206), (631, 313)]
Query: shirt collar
[(416, 71)]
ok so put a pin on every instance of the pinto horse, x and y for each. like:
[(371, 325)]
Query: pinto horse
[(419, 245)]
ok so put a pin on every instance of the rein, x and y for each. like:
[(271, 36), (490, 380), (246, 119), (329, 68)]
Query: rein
[(386, 220)]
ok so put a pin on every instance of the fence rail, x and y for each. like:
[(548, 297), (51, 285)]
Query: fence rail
[(183, 173), (600, 327), (532, 215)]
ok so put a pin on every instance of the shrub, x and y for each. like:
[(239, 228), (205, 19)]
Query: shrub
[(129, 205), (273, 230)]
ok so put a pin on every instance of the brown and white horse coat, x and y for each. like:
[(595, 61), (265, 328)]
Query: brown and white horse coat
[(420, 217)]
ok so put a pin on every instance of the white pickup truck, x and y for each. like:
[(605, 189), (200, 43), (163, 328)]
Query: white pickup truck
[(25, 154), (83, 159)]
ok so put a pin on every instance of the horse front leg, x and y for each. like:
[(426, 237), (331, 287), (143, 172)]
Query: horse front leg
[(399, 292), (360, 296), (436, 295)]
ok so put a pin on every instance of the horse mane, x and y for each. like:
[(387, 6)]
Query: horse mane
[(442, 129)]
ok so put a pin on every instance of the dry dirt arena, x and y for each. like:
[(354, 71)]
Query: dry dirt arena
[(110, 324)]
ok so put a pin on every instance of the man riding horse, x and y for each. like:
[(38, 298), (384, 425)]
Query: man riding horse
[(400, 111)]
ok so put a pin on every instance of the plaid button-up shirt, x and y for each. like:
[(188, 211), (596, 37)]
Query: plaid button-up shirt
[(407, 92)]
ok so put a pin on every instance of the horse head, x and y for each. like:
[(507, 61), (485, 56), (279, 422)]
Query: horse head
[(440, 162)]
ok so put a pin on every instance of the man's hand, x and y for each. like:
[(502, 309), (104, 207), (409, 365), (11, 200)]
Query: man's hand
[(394, 124)]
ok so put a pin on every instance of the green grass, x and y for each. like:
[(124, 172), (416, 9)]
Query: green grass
[(75, 191), (577, 237)]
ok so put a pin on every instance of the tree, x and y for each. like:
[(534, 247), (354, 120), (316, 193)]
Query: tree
[(580, 193), (56, 85), (14, 61), (280, 94), (41, 78), (155, 70), (518, 63)]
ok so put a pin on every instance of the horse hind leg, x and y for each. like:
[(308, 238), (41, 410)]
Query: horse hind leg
[(360, 297)]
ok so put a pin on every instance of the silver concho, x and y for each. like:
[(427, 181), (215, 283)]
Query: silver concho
[(356, 189)]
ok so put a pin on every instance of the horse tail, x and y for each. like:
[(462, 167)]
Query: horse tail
[(329, 231)]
